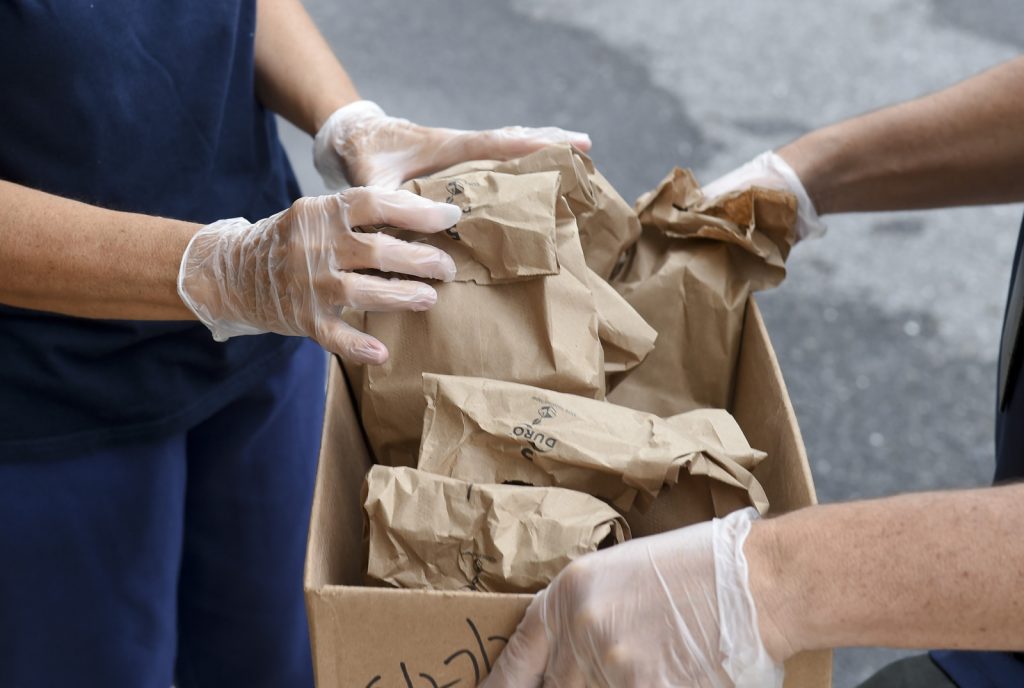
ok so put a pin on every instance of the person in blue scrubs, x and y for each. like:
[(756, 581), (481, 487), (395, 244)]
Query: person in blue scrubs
[(734, 598), (156, 472)]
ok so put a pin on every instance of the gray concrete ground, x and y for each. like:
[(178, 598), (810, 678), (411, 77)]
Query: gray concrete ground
[(887, 329)]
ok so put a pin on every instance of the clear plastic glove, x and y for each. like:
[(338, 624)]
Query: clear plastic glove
[(771, 171), (673, 609), (292, 273), (362, 145)]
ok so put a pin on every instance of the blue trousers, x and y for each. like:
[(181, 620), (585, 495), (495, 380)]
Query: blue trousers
[(177, 559)]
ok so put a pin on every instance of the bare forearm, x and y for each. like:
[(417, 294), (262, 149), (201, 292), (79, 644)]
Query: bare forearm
[(961, 146), (297, 74), (68, 257), (931, 570)]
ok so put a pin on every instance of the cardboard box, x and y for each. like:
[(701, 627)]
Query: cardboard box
[(365, 637)]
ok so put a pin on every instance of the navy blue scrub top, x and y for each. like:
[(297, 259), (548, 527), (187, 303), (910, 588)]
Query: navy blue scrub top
[(1001, 669), (146, 107)]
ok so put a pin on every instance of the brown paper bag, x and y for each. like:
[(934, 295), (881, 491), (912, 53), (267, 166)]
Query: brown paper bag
[(719, 430), (485, 431), (528, 315), (427, 531), (701, 496), (689, 276), (626, 338), (519, 251), (607, 224), (694, 499), (508, 229)]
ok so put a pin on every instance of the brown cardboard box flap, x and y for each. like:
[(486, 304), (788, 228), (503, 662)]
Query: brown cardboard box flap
[(387, 638)]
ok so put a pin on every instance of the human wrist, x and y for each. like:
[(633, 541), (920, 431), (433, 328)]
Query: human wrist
[(815, 158), (346, 110), (325, 107), (777, 596)]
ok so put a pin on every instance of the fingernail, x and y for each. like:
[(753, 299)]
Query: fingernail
[(370, 352), (450, 214), (424, 298), (578, 138), (447, 268)]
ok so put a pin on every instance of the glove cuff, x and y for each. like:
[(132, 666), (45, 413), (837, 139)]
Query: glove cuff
[(746, 659), (809, 224), (201, 280), (334, 132)]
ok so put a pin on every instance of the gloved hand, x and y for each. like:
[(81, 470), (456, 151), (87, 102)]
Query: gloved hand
[(291, 273), (362, 145), (771, 171), (672, 609)]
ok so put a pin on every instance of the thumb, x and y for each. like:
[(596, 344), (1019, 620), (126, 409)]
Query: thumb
[(523, 661)]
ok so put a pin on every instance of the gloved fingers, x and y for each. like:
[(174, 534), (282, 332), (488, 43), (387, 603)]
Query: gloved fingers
[(372, 293), (369, 205), (507, 143), (378, 251), (338, 337), (521, 664)]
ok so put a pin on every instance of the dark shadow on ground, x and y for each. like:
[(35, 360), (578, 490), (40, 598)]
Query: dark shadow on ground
[(460, 63), (997, 20)]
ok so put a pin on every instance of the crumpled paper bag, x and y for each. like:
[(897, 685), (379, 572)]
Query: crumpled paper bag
[(689, 276), (427, 531), (486, 431), (524, 307), (607, 227), (508, 229), (626, 338), (607, 223)]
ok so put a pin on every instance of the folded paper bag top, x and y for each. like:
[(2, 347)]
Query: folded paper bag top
[(428, 531), (482, 430), (719, 431), (690, 276), (607, 223), (507, 231), (549, 330)]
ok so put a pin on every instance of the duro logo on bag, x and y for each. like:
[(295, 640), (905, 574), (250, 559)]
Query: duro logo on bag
[(538, 441), (455, 188), (545, 411)]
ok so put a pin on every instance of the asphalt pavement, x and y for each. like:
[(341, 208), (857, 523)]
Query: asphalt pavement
[(887, 329)]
